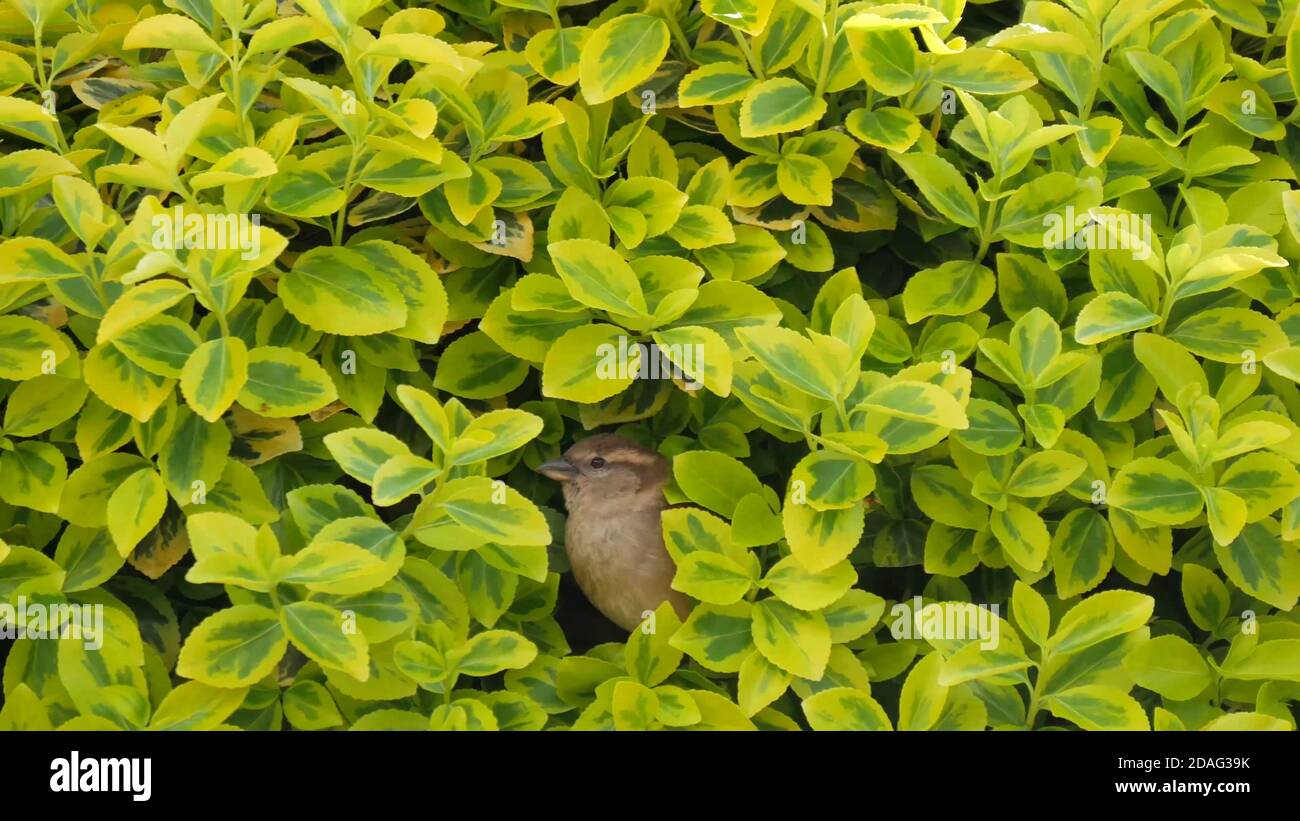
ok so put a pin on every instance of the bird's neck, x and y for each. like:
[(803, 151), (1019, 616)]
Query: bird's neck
[(591, 501)]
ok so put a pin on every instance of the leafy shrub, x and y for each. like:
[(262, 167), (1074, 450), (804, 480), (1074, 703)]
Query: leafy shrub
[(988, 304)]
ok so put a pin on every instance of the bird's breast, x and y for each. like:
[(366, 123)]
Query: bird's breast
[(620, 563)]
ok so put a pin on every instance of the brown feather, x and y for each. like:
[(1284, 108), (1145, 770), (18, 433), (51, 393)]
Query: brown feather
[(614, 537)]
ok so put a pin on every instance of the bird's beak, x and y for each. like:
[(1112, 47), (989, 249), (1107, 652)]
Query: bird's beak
[(558, 469)]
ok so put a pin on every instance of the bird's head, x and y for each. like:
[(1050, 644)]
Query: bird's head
[(609, 468)]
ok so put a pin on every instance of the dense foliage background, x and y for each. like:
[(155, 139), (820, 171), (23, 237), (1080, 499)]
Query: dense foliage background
[(294, 297)]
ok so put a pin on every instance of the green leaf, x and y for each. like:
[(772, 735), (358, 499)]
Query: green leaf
[(1031, 613), (228, 550), (945, 187), (475, 367), (1099, 617), (1259, 563), (828, 479), (804, 180), (844, 708), (330, 566), (633, 705), (1097, 707), (778, 106), (598, 277), (714, 84), (1169, 363), (791, 358), (621, 53), (30, 259), (1157, 491), (590, 363), (650, 656), (1222, 334), (138, 305), (555, 53), (923, 697), (891, 128), (1083, 549), (917, 402), (338, 291), (822, 538), (795, 585), (321, 634), (955, 288), (1022, 534), (794, 640), (194, 705), (492, 651), (135, 508), (1170, 666), (701, 355), (1205, 596), (1275, 660), (362, 451), (944, 495), (718, 637), (714, 480), (497, 513), (284, 382), (992, 431), (420, 286), (1045, 473), (308, 705), (703, 226), (712, 577), (234, 647), (172, 32), (759, 683), (688, 530), (1109, 315), (28, 347), (213, 376), (983, 71), (33, 475)]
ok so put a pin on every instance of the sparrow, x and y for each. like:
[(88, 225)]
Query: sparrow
[(614, 491)]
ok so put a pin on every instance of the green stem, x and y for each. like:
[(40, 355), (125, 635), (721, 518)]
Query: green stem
[(1178, 204), (1035, 696), (44, 83), (40, 61), (347, 195), (1269, 44), (830, 28), (236, 91), (1166, 308), (749, 56), (986, 230), (679, 35), (1031, 396)]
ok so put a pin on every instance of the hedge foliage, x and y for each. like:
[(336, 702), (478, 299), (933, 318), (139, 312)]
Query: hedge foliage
[(964, 303)]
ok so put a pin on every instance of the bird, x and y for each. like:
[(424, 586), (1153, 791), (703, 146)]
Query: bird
[(614, 491)]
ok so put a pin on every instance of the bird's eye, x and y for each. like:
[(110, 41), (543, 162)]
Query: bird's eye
[(598, 462)]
